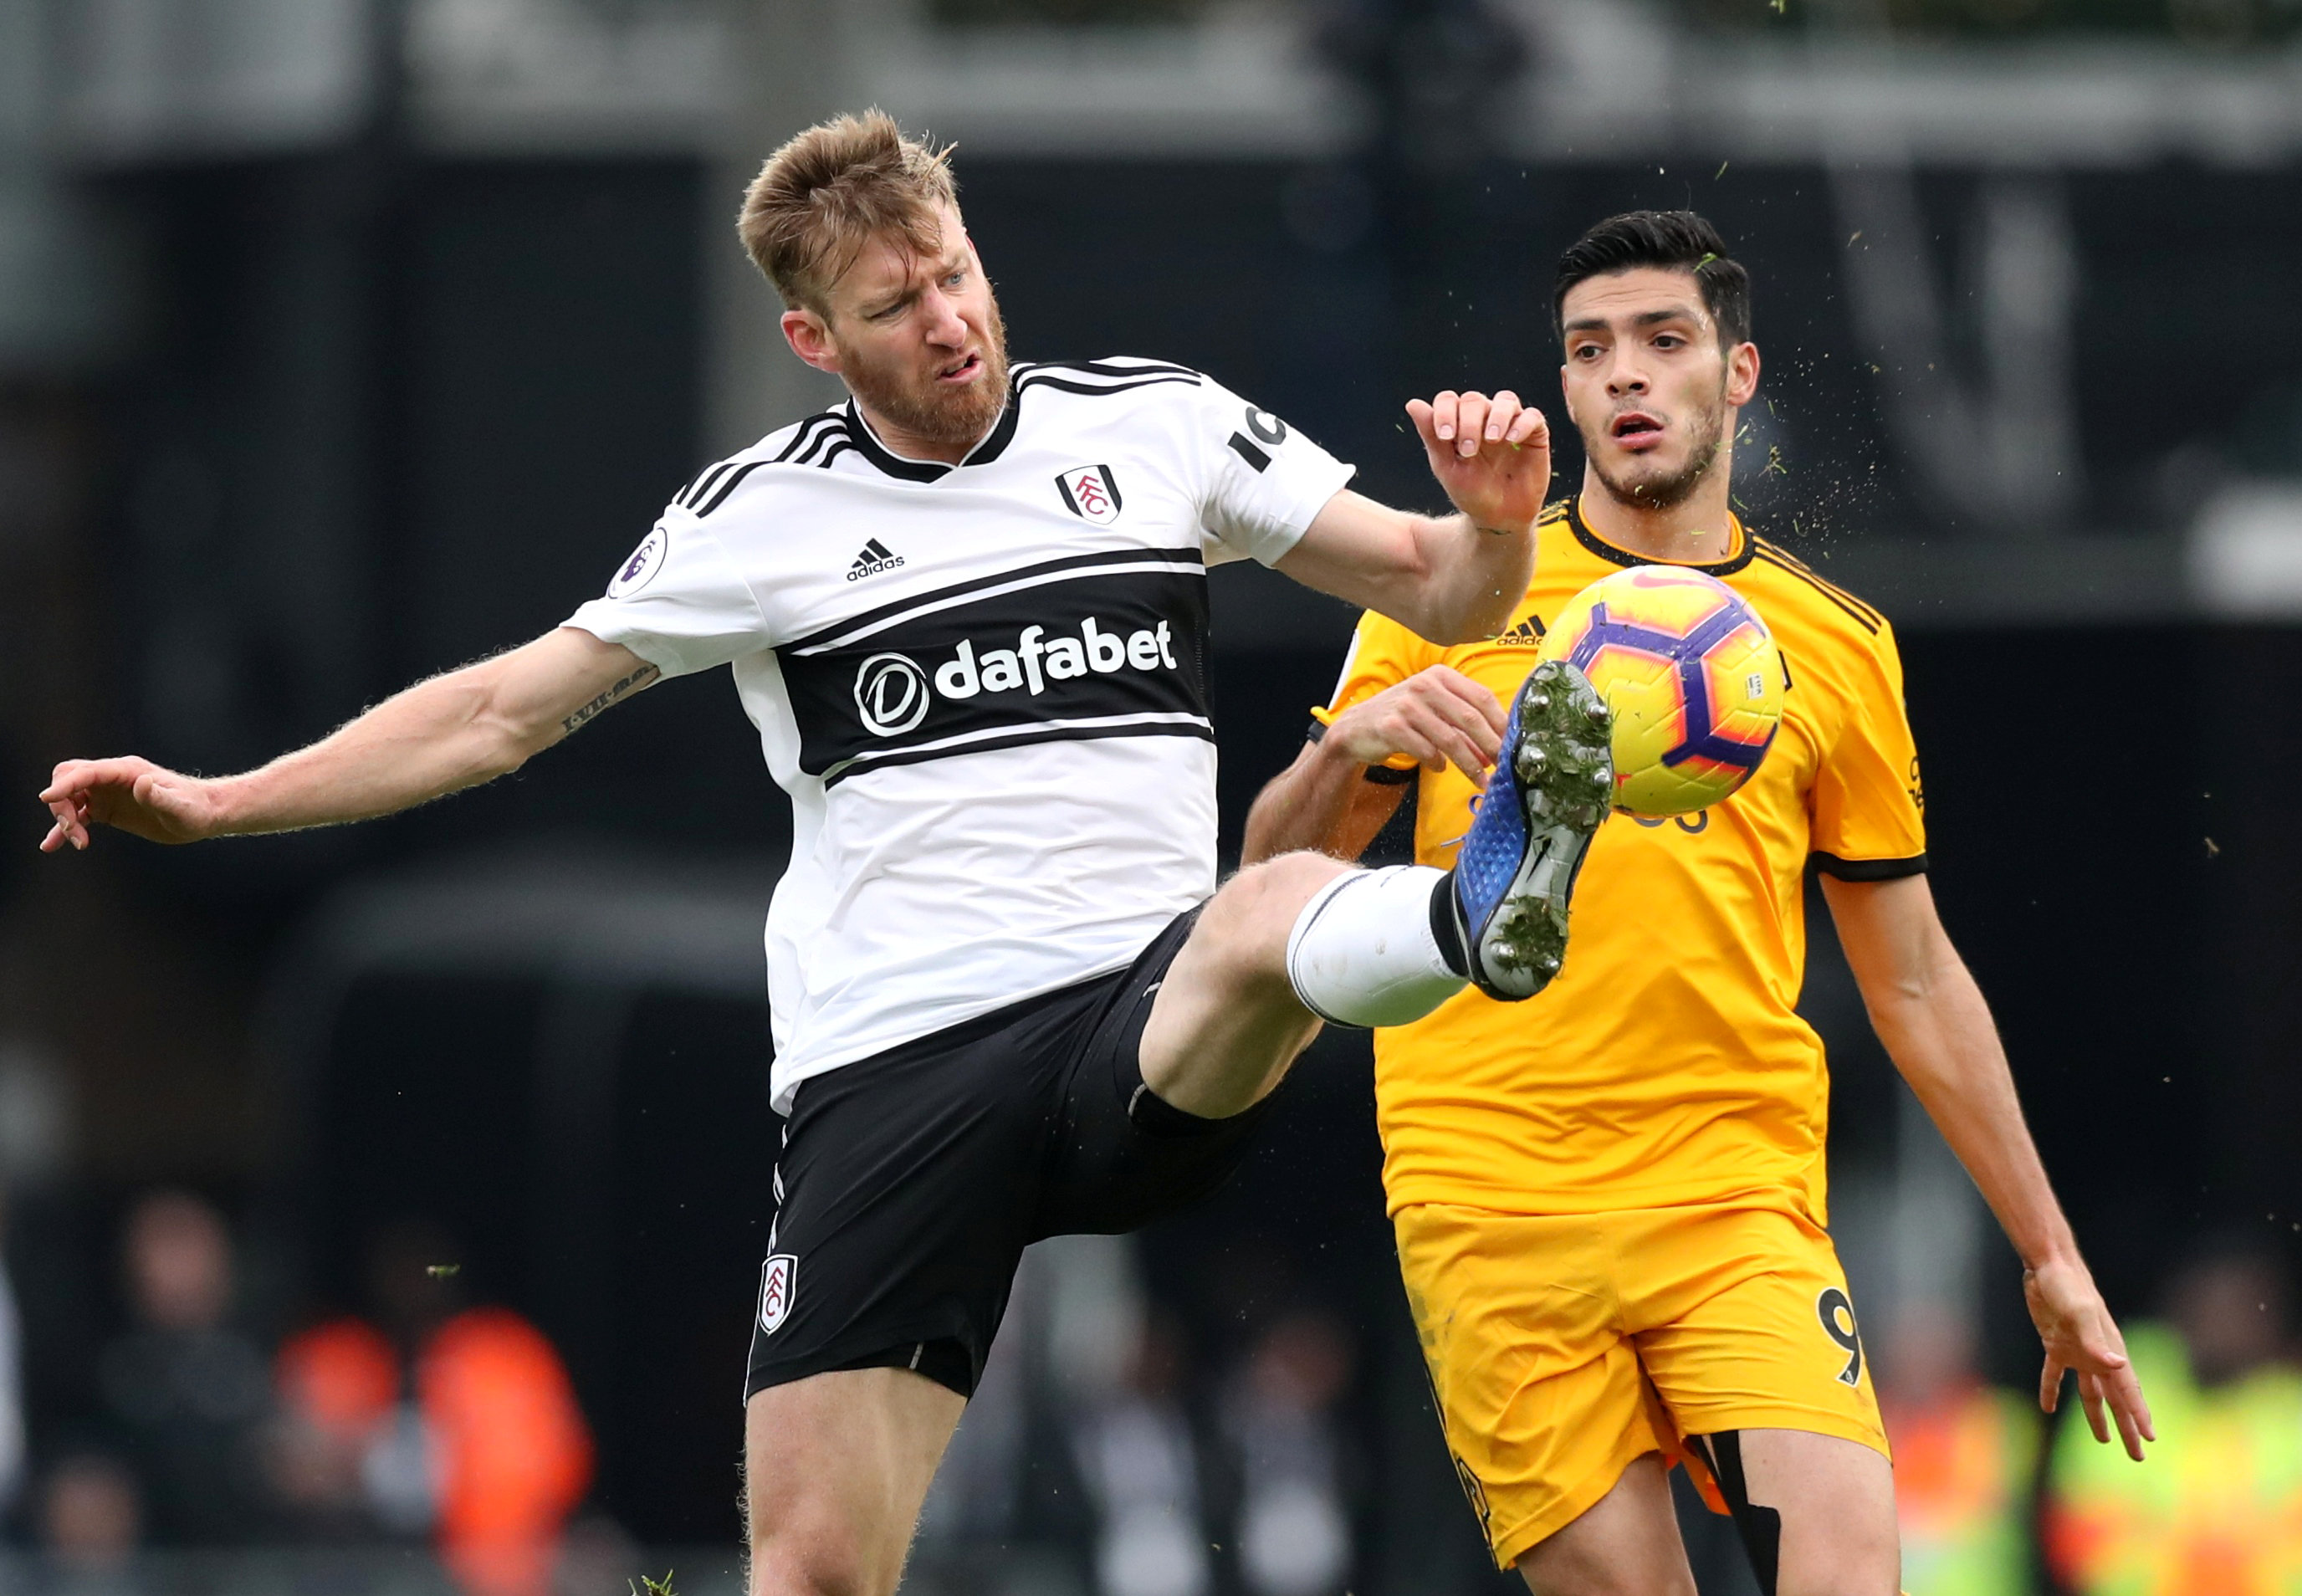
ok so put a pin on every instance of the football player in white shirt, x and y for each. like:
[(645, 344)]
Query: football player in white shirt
[(967, 611)]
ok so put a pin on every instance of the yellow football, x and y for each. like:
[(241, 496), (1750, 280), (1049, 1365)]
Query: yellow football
[(1693, 676)]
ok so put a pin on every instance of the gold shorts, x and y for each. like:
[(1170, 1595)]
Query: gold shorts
[(1563, 1347)]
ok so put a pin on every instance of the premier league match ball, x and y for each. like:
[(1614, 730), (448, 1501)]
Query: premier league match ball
[(1693, 676)]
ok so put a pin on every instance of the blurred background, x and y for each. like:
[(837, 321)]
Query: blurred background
[(383, 1207)]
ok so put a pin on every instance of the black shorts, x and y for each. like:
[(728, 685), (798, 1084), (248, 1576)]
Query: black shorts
[(911, 1181)]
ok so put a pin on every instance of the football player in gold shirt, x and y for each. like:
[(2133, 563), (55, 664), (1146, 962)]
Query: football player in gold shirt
[(1609, 1201)]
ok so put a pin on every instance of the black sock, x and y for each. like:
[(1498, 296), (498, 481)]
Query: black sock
[(1447, 926)]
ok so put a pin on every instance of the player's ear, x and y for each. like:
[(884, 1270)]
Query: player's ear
[(1742, 374), (810, 337)]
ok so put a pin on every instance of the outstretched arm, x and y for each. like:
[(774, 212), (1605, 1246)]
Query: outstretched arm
[(1928, 1011), (1323, 800), (440, 737), (1450, 578)]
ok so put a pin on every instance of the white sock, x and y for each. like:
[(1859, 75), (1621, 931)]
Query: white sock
[(1362, 953)]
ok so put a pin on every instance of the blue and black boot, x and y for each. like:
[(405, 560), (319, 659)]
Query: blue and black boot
[(1552, 785)]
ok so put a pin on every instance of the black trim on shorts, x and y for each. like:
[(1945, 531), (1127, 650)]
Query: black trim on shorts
[(943, 1361)]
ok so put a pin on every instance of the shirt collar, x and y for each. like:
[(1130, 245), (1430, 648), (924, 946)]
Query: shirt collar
[(988, 448), (1737, 556)]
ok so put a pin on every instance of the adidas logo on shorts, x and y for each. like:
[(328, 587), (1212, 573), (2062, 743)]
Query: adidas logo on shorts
[(1526, 634), (876, 558)]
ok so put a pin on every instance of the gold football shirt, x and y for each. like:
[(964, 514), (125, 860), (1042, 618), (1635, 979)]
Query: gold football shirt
[(1666, 1064)]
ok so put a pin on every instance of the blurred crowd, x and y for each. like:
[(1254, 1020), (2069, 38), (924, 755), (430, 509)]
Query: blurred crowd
[(427, 1422), (1996, 1501), (1097, 1443), (422, 1420), (1139, 1466)]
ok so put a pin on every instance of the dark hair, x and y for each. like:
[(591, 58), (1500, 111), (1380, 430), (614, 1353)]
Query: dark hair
[(1674, 241)]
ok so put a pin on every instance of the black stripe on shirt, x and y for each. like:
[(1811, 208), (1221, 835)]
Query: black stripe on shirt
[(1623, 556), (810, 433), (1104, 368), (1791, 563), (824, 444), (916, 756), (1112, 645), (702, 485), (817, 431), (1863, 615), (866, 617), (728, 487), (1869, 870), (1038, 379)]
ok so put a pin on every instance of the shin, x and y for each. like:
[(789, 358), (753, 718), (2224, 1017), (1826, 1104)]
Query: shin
[(1373, 947)]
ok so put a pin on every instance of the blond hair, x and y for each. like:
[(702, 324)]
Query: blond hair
[(831, 190)]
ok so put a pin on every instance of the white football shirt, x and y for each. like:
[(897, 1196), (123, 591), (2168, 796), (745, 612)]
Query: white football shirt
[(983, 685)]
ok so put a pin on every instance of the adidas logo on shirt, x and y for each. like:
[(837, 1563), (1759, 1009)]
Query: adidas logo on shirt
[(1526, 634), (876, 558)]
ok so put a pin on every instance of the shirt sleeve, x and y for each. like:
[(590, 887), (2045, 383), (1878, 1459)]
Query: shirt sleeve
[(678, 602), (1869, 822), (1263, 482)]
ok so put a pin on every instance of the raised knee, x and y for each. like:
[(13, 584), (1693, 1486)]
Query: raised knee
[(1269, 895)]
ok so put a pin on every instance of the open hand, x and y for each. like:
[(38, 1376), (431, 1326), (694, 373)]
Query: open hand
[(1436, 717), (2081, 1338), (136, 795), (1491, 455)]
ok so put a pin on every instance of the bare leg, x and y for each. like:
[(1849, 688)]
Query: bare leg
[(1627, 1545), (1837, 1500), (835, 1468), (1227, 1023)]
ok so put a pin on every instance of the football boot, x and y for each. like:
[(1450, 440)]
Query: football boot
[(1552, 785)]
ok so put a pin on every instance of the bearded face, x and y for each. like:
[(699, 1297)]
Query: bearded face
[(1651, 387), (936, 395), (1658, 480), (912, 327)]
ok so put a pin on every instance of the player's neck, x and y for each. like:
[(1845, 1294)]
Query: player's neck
[(1698, 530), (910, 446)]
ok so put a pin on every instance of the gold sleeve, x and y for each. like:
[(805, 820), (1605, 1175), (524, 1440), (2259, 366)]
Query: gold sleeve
[(1869, 820)]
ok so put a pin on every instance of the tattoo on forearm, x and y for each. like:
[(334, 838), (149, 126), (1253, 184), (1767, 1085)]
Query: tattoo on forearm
[(630, 683)]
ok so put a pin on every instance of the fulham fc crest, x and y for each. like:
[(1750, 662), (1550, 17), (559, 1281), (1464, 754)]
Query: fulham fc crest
[(1090, 492), (776, 1281)]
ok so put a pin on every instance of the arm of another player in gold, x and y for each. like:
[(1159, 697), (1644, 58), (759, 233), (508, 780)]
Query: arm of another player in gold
[(439, 737), (1323, 799), (1928, 1011), (1321, 802)]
